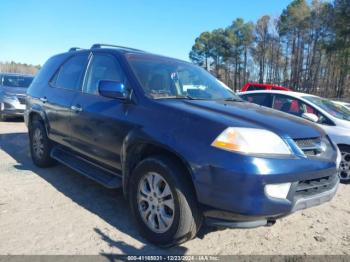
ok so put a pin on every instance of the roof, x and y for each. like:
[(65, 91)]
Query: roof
[(119, 49)]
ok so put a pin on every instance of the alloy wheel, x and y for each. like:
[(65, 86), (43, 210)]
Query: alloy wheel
[(38, 143), (345, 166), (156, 202)]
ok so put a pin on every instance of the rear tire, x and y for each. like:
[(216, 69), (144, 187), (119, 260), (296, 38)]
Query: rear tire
[(40, 145), (345, 163), (163, 203)]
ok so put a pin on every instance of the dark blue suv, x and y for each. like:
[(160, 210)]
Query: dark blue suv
[(182, 146)]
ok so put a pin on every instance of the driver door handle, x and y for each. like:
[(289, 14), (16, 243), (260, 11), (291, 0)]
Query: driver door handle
[(76, 108)]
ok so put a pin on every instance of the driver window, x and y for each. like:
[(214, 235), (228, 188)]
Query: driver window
[(102, 67)]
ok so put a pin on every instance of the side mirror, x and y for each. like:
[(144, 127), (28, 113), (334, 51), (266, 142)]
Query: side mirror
[(112, 89), (310, 116)]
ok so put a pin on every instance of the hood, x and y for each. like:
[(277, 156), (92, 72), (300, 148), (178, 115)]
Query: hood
[(13, 90), (341, 123), (244, 114)]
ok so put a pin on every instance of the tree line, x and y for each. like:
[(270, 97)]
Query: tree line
[(306, 48), (13, 67)]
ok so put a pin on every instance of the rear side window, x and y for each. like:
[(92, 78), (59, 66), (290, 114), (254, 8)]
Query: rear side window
[(70, 73), (260, 99)]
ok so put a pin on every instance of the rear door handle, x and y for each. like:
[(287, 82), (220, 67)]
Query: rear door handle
[(43, 99), (76, 108)]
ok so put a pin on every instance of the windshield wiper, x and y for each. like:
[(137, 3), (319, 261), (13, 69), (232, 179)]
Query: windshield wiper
[(174, 97)]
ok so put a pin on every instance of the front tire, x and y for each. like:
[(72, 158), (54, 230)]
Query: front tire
[(162, 202), (345, 163), (40, 145)]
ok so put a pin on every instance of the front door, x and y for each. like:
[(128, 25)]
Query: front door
[(99, 124)]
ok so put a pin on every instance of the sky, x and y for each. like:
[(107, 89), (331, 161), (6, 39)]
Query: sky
[(33, 30)]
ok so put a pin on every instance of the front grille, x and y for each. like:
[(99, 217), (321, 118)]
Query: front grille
[(315, 186), (312, 146), (21, 100)]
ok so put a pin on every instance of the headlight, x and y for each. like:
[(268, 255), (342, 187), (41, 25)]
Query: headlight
[(277, 190), (251, 141)]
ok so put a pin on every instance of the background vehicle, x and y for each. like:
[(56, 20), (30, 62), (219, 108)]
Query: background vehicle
[(13, 89), (332, 117), (177, 141), (250, 86)]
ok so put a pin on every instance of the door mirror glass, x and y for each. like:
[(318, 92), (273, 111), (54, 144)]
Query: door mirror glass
[(112, 89), (310, 116)]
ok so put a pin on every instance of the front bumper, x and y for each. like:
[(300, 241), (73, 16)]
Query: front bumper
[(215, 217), (232, 190)]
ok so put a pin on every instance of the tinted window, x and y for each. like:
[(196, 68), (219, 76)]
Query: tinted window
[(260, 99), (70, 73), (252, 88), (16, 81), (102, 67), (163, 78)]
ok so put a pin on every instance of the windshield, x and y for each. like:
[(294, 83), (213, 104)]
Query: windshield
[(332, 108), (169, 78), (16, 81)]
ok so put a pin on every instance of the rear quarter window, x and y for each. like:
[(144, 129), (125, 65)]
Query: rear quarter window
[(44, 75), (69, 75)]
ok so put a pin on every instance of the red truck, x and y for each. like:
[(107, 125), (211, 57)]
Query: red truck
[(251, 86)]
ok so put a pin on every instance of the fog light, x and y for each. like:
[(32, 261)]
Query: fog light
[(277, 190)]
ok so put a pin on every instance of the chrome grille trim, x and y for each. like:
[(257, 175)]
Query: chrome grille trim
[(310, 146)]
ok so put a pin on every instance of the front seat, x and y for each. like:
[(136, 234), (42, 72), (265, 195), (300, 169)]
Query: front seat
[(158, 84)]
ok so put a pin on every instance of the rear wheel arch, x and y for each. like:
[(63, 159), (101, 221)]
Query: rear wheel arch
[(37, 116), (137, 152)]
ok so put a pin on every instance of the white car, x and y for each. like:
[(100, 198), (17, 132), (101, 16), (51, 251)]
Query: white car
[(332, 117)]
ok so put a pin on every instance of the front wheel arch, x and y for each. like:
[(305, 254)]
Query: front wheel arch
[(140, 151)]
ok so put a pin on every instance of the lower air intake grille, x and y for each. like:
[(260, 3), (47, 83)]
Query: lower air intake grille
[(315, 186)]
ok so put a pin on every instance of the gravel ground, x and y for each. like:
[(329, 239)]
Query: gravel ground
[(57, 211)]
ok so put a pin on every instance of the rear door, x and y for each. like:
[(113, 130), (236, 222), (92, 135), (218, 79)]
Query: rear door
[(64, 87), (99, 124)]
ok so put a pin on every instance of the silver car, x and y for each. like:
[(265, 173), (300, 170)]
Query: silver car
[(13, 89)]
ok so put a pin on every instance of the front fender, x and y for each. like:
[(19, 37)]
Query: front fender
[(133, 147)]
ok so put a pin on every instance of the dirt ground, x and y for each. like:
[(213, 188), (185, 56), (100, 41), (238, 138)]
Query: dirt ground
[(57, 211)]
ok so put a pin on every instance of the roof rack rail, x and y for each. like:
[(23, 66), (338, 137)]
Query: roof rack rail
[(74, 49), (116, 46)]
